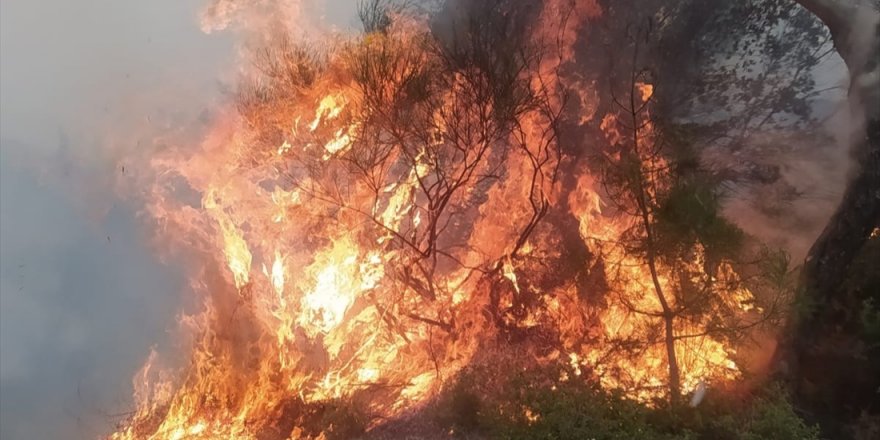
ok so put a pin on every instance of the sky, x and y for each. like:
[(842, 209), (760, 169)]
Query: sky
[(82, 296)]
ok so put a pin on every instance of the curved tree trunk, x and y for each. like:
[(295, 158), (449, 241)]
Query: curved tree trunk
[(855, 28), (830, 372)]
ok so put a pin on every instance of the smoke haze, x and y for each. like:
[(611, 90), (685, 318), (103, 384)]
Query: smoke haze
[(82, 296)]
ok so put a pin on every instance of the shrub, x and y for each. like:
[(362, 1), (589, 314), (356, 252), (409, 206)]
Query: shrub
[(342, 420), (766, 417), (536, 405)]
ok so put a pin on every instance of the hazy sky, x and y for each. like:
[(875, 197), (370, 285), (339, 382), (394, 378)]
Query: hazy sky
[(79, 311), (82, 298)]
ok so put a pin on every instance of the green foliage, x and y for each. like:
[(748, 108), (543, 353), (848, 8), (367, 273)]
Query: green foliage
[(532, 405), (529, 407), (689, 214), (573, 411), (752, 57), (765, 417), (774, 419), (342, 420), (689, 211), (870, 320), (460, 407), (776, 268)]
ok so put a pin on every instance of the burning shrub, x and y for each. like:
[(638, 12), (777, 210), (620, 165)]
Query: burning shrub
[(380, 214)]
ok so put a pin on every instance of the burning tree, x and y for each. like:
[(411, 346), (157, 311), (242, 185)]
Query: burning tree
[(376, 215), (436, 121), (671, 241), (373, 221)]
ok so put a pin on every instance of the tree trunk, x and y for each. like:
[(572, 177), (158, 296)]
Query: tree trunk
[(672, 359), (825, 342), (855, 29), (668, 312)]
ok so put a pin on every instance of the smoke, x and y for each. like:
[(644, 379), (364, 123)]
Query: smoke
[(86, 88), (82, 296), (813, 166), (862, 41), (790, 181), (79, 309)]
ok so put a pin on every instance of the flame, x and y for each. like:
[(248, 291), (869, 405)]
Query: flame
[(238, 256), (701, 358), (336, 287), (368, 289), (328, 109), (646, 91)]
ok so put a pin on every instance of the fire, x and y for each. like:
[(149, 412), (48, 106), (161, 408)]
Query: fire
[(646, 91), (238, 256), (328, 109), (389, 257), (337, 283)]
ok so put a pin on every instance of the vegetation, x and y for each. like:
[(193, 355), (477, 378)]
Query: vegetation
[(753, 59), (651, 171), (578, 409), (671, 209), (454, 153)]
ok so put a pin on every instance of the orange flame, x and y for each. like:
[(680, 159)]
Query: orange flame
[(341, 309)]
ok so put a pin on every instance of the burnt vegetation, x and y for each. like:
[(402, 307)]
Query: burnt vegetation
[(603, 275)]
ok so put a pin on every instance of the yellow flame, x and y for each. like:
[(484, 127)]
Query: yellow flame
[(329, 108), (238, 256)]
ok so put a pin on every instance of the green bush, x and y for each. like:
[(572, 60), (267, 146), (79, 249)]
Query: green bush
[(775, 419), (460, 408), (536, 406), (573, 411), (342, 420), (765, 417)]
